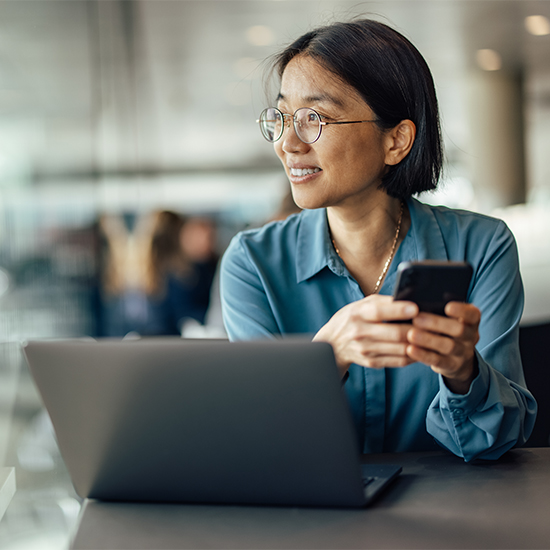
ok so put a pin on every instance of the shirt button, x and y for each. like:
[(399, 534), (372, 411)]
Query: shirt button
[(454, 401), (457, 412)]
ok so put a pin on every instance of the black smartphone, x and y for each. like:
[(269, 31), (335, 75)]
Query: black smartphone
[(431, 284)]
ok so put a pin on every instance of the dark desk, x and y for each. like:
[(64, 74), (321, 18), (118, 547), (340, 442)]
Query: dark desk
[(438, 502)]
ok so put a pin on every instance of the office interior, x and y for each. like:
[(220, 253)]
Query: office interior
[(112, 110)]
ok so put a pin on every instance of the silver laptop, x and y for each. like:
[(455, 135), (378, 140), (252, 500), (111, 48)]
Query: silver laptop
[(204, 421)]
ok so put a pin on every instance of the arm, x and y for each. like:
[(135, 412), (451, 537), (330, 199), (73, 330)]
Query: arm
[(496, 412), (357, 332), (245, 306)]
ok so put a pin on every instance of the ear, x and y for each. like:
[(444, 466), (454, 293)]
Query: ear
[(399, 141)]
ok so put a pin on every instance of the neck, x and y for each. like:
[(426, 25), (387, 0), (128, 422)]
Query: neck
[(364, 240)]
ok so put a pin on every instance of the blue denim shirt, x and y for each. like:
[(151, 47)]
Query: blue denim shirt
[(285, 278)]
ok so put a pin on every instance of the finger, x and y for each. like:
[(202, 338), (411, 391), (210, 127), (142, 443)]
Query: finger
[(386, 361), (448, 366), (425, 356), (441, 364), (387, 310), (455, 328), (384, 332), (422, 355), (378, 354), (469, 313), (441, 344), (457, 372), (381, 298), (377, 349)]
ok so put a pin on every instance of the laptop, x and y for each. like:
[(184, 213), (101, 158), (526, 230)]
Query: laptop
[(204, 421)]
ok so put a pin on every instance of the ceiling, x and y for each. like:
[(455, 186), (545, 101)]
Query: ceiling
[(172, 86)]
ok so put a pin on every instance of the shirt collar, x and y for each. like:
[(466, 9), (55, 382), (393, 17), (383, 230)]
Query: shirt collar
[(426, 232), (314, 249), (423, 241)]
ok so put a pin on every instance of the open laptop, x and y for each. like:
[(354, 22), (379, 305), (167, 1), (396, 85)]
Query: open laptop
[(204, 421)]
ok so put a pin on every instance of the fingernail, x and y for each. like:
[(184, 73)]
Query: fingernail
[(410, 310)]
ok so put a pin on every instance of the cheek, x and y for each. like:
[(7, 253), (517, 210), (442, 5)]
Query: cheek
[(366, 154), (336, 158)]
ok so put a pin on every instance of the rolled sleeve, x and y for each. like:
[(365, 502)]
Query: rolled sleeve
[(485, 422)]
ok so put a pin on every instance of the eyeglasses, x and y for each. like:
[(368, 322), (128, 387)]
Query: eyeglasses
[(307, 124)]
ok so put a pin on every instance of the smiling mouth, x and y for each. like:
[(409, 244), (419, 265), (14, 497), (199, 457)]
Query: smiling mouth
[(303, 171)]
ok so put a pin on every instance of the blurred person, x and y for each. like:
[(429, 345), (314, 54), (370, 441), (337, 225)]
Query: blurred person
[(190, 295), (158, 237), (160, 274), (180, 261), (122, 305), (356, 127)]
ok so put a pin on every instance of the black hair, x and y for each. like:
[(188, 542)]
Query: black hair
[(393, 78)]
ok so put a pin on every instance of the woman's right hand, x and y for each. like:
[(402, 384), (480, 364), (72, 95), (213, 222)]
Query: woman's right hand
[(360, 333)]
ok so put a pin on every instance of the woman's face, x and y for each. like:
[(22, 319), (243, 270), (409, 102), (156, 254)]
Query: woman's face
[(347, 161)]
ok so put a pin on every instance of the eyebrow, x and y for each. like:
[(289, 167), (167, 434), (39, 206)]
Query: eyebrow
[(319, 98)]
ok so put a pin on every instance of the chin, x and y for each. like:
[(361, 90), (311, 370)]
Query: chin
[(309, 205), (307, 201)]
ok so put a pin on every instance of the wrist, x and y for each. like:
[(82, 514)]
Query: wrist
[(461, 383), (342, 366)]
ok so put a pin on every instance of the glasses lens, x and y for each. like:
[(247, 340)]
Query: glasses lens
[(307, 124), (271, 124)]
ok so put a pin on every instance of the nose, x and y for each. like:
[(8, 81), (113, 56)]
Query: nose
[(291, 143)]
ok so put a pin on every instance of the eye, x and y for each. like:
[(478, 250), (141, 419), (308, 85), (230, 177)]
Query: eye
[(324, 117), (311, 117)]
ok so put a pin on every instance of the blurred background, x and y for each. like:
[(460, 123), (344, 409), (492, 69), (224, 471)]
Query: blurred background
[(129, 156)]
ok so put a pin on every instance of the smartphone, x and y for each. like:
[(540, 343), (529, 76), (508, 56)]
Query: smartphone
[(431, 284)]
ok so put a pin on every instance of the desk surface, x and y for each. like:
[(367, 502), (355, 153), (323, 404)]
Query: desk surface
[(438, 502)]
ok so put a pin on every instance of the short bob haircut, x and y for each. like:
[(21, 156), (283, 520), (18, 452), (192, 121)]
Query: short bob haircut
[(393, 78)]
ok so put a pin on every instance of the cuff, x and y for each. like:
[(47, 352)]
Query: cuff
[(463, 405)]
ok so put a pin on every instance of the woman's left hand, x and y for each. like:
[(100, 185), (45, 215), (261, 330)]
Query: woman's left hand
[(447, 344)]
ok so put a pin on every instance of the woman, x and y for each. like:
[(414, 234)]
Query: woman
[(180, 263), (356, 128)]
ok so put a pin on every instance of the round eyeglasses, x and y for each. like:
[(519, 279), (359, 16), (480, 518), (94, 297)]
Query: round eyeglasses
[(307, 124)]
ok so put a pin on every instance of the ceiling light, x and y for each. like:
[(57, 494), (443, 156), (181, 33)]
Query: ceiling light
[(539, 25), (488, 60), (260, 35)]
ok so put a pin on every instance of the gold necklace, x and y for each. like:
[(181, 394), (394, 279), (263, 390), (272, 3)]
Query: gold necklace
[(392, 252)]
